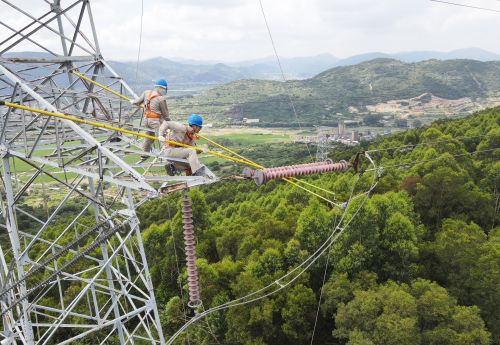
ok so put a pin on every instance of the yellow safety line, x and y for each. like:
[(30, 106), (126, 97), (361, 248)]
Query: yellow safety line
[(309, 191), (262, 167), (289, 180), (244, 160), (314, 186), (100, 125), (100, 85), (230, 151)]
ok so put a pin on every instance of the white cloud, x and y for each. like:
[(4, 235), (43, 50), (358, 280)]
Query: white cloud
[(234, 29)]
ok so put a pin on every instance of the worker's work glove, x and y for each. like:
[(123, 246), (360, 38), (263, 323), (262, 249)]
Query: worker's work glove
[(161, 138)]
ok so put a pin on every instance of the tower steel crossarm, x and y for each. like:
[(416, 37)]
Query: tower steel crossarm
[(140, 183), (112, 292)]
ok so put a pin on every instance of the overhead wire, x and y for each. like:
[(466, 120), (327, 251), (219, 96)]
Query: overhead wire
[(465, 5), (327, 244), (140, 43), (426, 143), (291, 180), (321, 290), (304, 266), (409, 164), (282, 72), (100, 125)]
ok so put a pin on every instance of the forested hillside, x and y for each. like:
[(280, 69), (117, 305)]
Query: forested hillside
[(417, 263), (334, 91)]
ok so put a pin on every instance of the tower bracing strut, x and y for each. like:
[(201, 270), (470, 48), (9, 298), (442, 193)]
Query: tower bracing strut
[(72, 261)]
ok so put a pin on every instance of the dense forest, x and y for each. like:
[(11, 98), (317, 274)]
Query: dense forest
[(417, 262)]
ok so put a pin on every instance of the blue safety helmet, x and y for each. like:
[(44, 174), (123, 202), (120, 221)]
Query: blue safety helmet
[(195, 119), (161, 83)]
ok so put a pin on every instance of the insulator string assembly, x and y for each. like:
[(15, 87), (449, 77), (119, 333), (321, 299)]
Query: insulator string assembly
[(190, 249), (261, 176)]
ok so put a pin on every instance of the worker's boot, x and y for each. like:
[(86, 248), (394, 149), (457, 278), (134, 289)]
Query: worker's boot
[(170, 169), (200, 172)]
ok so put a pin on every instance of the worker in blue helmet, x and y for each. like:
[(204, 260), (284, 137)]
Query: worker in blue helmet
[(155, 110), (184, 134)]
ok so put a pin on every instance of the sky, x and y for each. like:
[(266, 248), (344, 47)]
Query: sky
[(233, 30)]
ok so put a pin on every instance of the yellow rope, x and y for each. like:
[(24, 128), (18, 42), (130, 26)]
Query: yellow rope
[(241, 160), (289, 180), (309, 191), (314, 186), (255, 165), (100, 85), (121, 130)]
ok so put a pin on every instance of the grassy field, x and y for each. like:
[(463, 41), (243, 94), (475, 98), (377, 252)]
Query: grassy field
[(248, 136), (233, 138)]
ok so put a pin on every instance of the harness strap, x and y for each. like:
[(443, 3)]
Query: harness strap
[(148, 113)]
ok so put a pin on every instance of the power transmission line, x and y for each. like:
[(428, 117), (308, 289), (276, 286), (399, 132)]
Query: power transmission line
[(465, 5), (281, 69), (140, 44)]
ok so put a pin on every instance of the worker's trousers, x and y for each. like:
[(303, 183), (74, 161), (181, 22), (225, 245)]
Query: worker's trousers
[(154, 125), (184, 153)]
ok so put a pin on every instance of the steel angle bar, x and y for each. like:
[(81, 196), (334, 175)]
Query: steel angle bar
[(133, 284), (60, 311), (51, 278), (76, 277), (131, 257), (149, 283), (45, 24), (51, 330), (59, 246), (125, 85), (123, 165), (6, 116), (71, 225), (25, 27), (27, 185), (77, 28), (23, 130), (39, 136), (24, 37), (78, 156), (106, 178), (53, 60), (51, 218), (126, 291), (123, 318), (41, 169), (29, 215)]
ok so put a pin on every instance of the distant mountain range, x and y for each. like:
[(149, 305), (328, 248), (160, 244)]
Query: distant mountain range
[(351, 89), (193, 74), (384, 86), (183, 72)]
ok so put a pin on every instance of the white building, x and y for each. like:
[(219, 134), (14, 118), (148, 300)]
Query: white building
[(245, 120)]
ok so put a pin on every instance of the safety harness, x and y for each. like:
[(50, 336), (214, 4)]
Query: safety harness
[(148, 113), (188, 139)]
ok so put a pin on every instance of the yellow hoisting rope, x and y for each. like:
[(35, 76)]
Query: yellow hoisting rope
[(100, 85), (262, 167), (121, 130), (244, 160)]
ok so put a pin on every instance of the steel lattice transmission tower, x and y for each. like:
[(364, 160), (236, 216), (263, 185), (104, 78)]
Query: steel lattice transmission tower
[(65, 278), (322, 145)]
